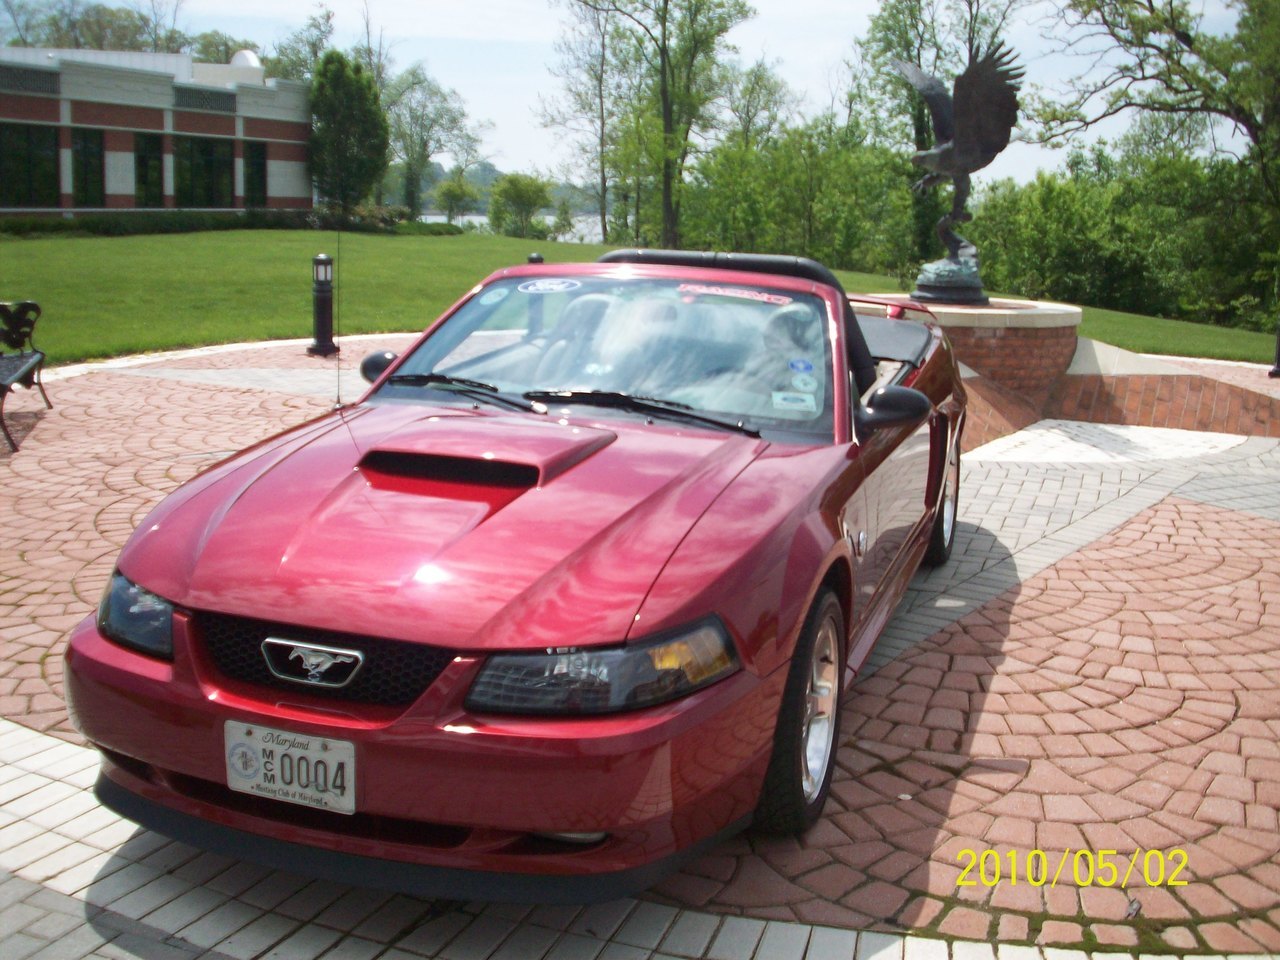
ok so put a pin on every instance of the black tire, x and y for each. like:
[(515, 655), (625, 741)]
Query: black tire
[(943, 535), (799, 775)]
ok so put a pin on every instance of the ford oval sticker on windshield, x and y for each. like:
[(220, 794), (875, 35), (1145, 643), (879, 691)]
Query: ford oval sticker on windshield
[(549, 285)]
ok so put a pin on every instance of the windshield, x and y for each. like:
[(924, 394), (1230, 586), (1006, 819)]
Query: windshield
[(734, 352)]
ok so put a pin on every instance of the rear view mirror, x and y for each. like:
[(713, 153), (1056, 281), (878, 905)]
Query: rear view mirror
[(891, 407), (375, 364)]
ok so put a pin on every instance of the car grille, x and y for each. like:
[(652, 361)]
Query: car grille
[(394, 673)]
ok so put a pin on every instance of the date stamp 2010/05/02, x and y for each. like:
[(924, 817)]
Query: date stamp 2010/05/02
[(1084, 868)]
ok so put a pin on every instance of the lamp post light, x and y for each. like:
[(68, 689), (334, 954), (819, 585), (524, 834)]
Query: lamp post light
[(322, 307)]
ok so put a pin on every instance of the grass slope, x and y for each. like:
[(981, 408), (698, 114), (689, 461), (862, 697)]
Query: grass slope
[(107, 296)]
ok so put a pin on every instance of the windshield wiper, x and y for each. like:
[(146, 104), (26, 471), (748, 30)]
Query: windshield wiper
[(668, 409), (473, 389)]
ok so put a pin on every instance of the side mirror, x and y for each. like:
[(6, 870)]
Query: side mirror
[(891, 407), (375, 364)]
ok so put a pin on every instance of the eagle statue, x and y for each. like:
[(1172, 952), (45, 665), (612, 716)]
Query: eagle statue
[(970, 127)]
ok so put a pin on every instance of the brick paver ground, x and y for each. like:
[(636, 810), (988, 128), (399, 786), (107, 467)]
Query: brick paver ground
[(1098, 668)]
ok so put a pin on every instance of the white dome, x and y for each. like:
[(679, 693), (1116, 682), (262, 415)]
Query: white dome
[(246, 58)]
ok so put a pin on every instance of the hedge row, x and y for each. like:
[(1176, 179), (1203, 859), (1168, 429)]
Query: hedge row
[(188, 221)]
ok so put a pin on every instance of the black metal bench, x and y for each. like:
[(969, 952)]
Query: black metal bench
[(21, 363)]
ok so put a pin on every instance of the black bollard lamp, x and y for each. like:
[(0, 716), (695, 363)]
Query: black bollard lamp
[(322, 307)]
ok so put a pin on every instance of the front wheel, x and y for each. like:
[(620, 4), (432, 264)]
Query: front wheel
[(804, 747), (943, 534)]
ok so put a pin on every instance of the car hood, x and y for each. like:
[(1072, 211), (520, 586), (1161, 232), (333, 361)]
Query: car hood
[(466, 529)]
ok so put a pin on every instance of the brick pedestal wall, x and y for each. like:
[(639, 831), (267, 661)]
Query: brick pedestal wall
[(1028, 360)]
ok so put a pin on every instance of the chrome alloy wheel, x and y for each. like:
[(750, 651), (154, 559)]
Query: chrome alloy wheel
[(950, 494), (819, 734)]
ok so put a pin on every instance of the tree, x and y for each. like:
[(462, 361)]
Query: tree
[(758, 102), (563, 225), (1160, 58), (22, 24), (587, 107), (680, 43), (96, 26), (296, 56), (160, 25), (515, 201), (455, 195), (214, 46), (348, 132), (427, 119)]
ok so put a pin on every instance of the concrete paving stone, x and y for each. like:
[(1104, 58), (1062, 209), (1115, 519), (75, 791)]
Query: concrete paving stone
[(571, 946), (352, 907), (646, 925), (690, 934), (19, 946), (218, 923), (428, 939), (971, 950), (555, 916), (830, 943), (736, 939), (251, 940), (476, 941), (784, 941), (150, 897), (307, 943), (396, 917), (77, 878), (185, 909), (602, 920), (922, 948), (526, 943), (33, 850), (873, 945), (622, 951), (72, 944)]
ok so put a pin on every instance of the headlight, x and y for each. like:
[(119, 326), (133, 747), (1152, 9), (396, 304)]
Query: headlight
[(136, 618), (589, 681)]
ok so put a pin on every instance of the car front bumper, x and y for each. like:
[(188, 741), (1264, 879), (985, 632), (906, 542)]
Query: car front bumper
[(447, 804)]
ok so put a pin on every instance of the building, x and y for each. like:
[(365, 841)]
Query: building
[(92, 130)]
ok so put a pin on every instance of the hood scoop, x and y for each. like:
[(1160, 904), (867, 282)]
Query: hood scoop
[(495, 453), (452, 478), (425, 466)]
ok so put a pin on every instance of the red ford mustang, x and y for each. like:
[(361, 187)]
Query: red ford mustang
[(568, 596)]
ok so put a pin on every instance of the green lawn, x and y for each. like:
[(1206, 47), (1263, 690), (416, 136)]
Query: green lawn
[(106, 296)]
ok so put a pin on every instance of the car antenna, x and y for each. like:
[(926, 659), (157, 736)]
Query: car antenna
[(337, 316)]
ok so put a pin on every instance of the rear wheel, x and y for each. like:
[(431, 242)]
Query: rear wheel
[(944, 522), (804, 747)]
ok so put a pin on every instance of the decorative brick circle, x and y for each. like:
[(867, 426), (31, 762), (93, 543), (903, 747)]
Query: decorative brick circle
[(1126, 698)]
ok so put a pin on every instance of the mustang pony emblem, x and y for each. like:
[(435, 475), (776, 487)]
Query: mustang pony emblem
[(316, 662), (322, 666)]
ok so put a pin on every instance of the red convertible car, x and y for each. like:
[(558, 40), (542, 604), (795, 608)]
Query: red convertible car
[(568, 596)]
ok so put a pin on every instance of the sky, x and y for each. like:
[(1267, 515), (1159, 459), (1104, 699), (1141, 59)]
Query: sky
[(497, 55)]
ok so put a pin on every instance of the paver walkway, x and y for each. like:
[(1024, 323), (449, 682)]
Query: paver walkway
[(1098, 668)]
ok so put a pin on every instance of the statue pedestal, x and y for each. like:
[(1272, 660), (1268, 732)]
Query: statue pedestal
[(953, 280), (1025, 345)]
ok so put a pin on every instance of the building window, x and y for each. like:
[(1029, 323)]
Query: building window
[(255, 174), (148, 170), (203, 172), (28, 166), (86, 169)]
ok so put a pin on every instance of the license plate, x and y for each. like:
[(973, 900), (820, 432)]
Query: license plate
[(294, 767)]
